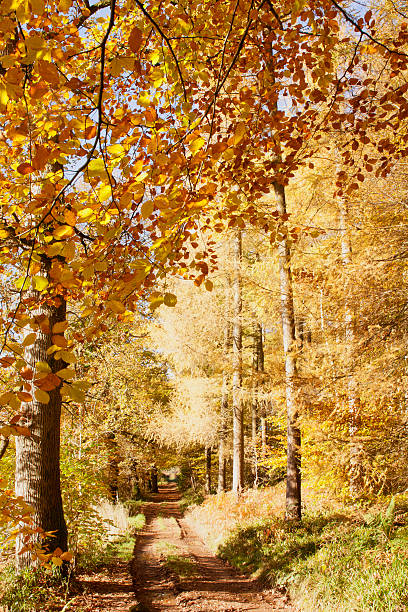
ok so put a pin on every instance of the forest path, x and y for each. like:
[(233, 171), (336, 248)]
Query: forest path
[(172, 569)]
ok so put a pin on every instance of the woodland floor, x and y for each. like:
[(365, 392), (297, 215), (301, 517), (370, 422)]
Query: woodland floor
[(172, 569)]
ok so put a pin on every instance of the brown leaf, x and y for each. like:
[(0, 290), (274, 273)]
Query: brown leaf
[(135, 39)]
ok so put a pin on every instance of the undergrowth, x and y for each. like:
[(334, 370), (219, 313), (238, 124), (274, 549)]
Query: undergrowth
[(42, 589), (349, 561), (32, 590)]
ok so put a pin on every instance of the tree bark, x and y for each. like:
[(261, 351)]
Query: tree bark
[(154, 480), (38, 456), (222, 438), (349, 336), (257, 367), (293, 474), (237, 411), (208, 470)]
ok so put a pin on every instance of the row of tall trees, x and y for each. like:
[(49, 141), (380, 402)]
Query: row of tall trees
[(129, 129)]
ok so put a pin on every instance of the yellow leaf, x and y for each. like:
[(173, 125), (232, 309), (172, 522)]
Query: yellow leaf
[(208, 285), (63, 231), (170, 299), (37, 6), (116, 306), (41, 396), (30, 339), (57, 561), (67, 556), (85, 213), (155, 56), (96, 167), (39, 283), (66, 356), (239, 133), (116, 150), (147, 209), (42, 366), (105, 193), (121, 63), (196, 145), (77, 395), (3, 95), (66, 373)]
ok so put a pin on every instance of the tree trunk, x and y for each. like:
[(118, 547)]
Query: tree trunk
[(237, 411), (153, 480), (224, 396), (257, 366), (222, 438), (293, 474), (37, 457), (349, 336), (208, 471)]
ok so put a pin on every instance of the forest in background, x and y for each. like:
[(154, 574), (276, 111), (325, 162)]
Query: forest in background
[(203, 258)]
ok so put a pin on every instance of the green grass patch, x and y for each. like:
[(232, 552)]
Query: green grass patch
[(190, 498), (32, 590), (328, 562), (181, 565), (121, 547)]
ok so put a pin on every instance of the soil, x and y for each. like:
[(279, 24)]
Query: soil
[(173, 570)]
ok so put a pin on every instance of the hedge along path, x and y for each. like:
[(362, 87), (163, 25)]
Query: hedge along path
[(173, 570)]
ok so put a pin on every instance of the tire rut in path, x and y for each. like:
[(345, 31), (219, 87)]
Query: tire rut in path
[(212, 586)]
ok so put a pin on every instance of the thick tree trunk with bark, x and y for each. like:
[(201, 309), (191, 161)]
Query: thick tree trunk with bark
[(38, 456), (293, 474), (237, 411)]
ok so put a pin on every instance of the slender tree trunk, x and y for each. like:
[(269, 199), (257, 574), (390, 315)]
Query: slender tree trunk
[(237, 411), (293, 475), (208, 470), (153, 479), (349, 335), (224, 396), (37, 457), (257, 367)]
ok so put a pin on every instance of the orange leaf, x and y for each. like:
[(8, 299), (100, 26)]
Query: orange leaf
[(135, 40), (24, 396), (59, 341), (48, 72), (25, 168), (90, 132)]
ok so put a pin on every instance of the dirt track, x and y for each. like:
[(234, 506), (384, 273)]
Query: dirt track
[(210, 584), (172, 570)]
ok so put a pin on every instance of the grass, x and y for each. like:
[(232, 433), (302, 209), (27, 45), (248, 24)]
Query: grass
[(32, 590), (42, 589), (335, 560), (181, 565), (119, 546)]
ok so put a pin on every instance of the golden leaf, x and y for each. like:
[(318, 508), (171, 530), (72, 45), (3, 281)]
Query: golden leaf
[(41, 396)]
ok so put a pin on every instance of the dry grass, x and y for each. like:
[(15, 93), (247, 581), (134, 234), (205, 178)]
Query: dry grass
[(115, 518), (219, 514)]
